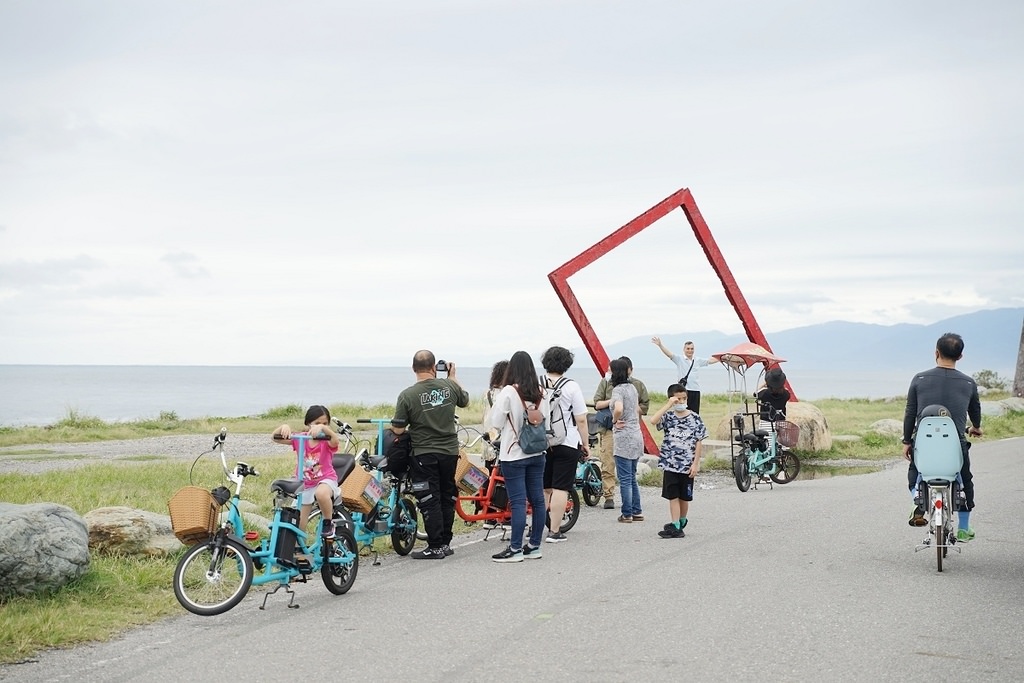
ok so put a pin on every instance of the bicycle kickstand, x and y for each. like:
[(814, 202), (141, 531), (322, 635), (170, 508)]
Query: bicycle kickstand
[(376, 558), (287, 589)]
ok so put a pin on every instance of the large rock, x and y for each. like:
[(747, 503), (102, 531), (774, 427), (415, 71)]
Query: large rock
[(815, 435), (43, 546), (887, 427), (127, 531)]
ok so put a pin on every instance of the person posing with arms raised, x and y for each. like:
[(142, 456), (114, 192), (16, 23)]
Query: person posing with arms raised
[(688, 369), (523, 472), (602, 402), (560, 465), (428, 408), (946, 386)]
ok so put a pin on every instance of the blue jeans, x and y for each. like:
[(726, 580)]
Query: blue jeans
[(524, 480), (629, 489)]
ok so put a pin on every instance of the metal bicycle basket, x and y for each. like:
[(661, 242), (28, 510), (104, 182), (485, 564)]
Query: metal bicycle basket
[(787, 433)]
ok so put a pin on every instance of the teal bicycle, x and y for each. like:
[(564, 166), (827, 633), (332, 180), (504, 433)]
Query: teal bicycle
[(215, 574)]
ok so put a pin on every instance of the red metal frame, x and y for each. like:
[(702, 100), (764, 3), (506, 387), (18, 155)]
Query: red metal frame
[(682, 199)]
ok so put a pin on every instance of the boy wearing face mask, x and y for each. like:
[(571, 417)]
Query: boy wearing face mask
[(679, 457)]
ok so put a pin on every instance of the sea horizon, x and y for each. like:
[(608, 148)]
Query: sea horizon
[(39, 395)]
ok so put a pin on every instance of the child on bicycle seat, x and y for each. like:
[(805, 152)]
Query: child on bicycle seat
[(320, 481)]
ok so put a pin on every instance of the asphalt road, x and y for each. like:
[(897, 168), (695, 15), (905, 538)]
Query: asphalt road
[(816, 580)]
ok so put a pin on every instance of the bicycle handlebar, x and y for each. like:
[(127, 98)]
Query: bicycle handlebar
[(393, 421)]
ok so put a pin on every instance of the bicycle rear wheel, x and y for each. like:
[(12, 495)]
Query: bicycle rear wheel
[(591, 485), (213, 577), (741, 471), (406, 521), (339, 576)]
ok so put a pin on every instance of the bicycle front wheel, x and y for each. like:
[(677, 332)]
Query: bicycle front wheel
[(213, 577), (789, 468), (592, 485), (571, 514), (339, 575)]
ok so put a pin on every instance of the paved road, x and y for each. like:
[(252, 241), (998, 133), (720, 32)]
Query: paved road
[(816, 580)]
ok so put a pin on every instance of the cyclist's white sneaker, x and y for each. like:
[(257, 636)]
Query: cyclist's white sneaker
[(328, 530)]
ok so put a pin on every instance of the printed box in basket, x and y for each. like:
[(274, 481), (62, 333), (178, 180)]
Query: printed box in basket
[(468, 477), (360, 491)]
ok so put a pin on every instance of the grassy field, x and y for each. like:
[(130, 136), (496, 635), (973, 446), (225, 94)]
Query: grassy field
[(119, 592)]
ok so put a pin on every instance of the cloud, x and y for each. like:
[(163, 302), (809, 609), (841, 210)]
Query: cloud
[(185, 265)]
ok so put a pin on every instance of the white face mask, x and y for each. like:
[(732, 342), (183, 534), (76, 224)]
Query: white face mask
[(679, 407)]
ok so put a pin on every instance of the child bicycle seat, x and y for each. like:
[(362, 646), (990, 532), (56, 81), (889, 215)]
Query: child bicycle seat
[(938, 454), (343, 463)]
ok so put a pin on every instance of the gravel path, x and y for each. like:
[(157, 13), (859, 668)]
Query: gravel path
[(41, 458)]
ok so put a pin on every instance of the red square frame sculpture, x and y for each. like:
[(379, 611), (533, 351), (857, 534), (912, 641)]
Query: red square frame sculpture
[(681, 199)]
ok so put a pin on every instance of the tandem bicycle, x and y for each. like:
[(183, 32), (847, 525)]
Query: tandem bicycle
[(215, 573)]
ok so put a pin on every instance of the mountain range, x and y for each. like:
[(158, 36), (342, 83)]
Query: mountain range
[(992, 339)]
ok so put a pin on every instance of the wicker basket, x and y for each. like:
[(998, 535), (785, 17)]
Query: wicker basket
[(360, 491), (787, 433), (193, 514)]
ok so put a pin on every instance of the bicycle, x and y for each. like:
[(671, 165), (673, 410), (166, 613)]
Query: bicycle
[(215, 574), (383, 505), (588, 480), (490, 503), (938, 457), (764, 453)]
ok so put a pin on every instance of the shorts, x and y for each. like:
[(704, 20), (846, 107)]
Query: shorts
[(309, 495), (560, 467), (676, 485)]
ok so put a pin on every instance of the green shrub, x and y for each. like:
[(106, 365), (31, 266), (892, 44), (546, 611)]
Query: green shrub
[(989, 379)]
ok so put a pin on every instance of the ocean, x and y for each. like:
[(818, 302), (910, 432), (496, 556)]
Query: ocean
[(45, 394)]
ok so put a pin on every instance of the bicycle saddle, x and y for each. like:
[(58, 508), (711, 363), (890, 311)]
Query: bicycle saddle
[(288, 487)]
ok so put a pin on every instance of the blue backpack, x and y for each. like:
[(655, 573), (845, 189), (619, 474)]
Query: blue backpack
[(532, 437)]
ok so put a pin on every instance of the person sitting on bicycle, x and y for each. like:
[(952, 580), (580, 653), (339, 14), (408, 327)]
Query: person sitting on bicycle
[(773, 397), (947, 386), (772, 400), (319, 480)]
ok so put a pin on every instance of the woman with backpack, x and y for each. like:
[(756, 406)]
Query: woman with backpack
[(522, 465), (568, 419)]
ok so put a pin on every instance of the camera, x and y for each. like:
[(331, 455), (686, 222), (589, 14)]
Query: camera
[(441, 366)]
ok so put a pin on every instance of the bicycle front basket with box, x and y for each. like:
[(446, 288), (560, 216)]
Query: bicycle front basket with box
[(193, 514), (788, 433)]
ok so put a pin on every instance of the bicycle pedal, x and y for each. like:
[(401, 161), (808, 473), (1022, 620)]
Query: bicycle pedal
[(304, 567)]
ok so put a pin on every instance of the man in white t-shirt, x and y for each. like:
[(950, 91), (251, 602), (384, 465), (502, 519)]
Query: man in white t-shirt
[(688, 369), (560, 466)]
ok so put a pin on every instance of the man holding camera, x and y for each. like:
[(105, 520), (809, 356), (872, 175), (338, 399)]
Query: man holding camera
[(428, 407)]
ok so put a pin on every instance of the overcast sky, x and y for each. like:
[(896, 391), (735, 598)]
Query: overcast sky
[(346, 182)]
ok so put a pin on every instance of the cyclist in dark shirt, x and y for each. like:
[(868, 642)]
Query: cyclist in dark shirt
[(946, 386)]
